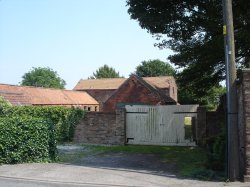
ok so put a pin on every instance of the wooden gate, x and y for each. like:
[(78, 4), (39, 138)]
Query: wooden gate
[(161, 125)]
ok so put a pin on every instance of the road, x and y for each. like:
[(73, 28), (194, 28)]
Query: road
[(113, 170), (54, 175), (19, 182)]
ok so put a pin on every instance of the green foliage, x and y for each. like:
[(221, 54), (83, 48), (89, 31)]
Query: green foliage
[(105, 72), (43, 77), (26, 139), (154, 68), (64, 119), (4, 104), (29, 134), (187, 95), (216, 152), (188, 128), (193, 30)]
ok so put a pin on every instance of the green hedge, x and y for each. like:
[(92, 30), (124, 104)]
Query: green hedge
[(64, 119), (26, 139)]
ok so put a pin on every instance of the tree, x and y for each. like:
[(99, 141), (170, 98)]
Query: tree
[(193, 30), (105, 72), (154, 68), (43, 77), (210, 100)]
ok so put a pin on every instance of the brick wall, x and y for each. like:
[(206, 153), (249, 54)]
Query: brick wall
[(244, 123), (209, 124), (101, 95), (173, 90), (131, 91), (101, 128), (242, 129)]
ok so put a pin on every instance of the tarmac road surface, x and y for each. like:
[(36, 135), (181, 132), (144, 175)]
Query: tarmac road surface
[(53, 175), (112, 170)]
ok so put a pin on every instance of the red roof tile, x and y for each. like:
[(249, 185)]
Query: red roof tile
[(115, 83), (26, 95)]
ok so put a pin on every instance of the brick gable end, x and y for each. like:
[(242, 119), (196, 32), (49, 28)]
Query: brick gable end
[(132, 91)]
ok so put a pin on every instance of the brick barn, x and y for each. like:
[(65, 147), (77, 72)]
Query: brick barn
[(35, 96), (117, 92)]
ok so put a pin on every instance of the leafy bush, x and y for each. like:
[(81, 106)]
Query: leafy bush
[(216, 152), (4, 104), (26, 139), (64, 119)]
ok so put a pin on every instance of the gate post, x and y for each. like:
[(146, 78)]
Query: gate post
[(121, 125)]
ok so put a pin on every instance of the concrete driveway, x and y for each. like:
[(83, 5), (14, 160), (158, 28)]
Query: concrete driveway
[(113, 170)]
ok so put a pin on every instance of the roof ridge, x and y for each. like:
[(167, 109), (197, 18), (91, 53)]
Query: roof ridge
[(40, 95), (103, 79), (170, 76), (38, 87), (159, 76)]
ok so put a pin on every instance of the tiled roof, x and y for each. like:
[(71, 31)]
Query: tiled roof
[(115, 83), (92, 84), (15, 98), (159, 82), (26, 95)]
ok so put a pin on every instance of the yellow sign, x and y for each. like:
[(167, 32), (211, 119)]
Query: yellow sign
[(224, 29)]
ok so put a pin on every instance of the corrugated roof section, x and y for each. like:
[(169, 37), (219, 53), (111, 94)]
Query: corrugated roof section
[(115, 83), (26, 95)]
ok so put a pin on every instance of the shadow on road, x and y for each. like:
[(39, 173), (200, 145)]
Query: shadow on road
[(130, 162)]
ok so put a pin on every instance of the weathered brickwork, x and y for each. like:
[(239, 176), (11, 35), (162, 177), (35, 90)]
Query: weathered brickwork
[(101, 128), (101, 95), (132, 91), (244, 123)]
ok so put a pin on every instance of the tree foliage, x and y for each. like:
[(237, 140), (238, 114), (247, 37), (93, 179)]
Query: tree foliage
[(154, 68), (193, 30), (43, 77), (105, 72), (187, 95)]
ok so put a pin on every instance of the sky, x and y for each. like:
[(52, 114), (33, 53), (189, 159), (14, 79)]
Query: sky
[(72, 37)]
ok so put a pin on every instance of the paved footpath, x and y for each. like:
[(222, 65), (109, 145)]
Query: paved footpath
[(73, 175)]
